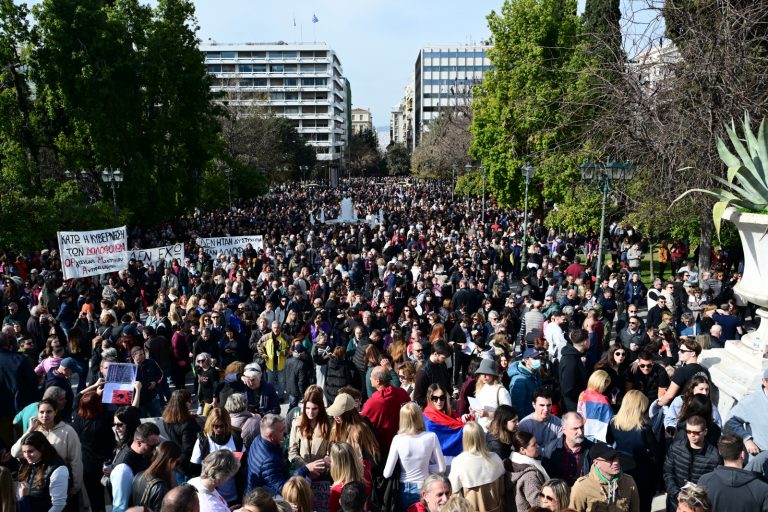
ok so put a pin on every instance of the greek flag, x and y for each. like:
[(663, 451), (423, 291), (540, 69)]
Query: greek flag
[(314, 19)]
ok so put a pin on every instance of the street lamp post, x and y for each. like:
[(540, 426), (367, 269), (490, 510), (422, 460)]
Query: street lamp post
[(303, 170), (453, 179), (604, 174), (468, 168), (113, 177), (528, 172), (228, 174)]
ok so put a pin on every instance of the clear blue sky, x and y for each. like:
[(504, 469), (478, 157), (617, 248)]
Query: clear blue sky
[(377, 41)]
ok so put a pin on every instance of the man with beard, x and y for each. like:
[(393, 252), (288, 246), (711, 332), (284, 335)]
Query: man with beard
[(567, 457)]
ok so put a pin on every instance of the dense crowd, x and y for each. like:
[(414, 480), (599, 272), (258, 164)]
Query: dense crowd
[(428, 362)]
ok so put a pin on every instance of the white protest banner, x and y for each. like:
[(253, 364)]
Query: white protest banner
[(90, 253), (154, 255), (118, 388), (229, 245)]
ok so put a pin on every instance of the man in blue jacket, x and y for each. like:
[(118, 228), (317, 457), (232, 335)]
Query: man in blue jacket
[(525, 379), (267, 467)]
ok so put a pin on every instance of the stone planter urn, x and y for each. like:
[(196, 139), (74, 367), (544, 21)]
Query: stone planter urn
[(736, 370)]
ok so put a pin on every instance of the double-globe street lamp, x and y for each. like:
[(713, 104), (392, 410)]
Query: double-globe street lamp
[(468, 168), (605, 174), (113, 177), (528, 172)]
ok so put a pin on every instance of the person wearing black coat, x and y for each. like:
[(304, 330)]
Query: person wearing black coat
[(93, 424), (572, 372), (688, 459), (338, 374), (299, 374), (182, 428)]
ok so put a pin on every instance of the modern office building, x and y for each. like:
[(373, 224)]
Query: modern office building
[(302, 82), (361, 120), (443, 78)]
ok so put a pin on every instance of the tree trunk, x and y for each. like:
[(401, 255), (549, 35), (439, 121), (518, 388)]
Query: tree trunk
[(705, 246), (650, 251)]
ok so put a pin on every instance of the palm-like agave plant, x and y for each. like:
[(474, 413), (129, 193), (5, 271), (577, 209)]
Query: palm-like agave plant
[(747, 178)]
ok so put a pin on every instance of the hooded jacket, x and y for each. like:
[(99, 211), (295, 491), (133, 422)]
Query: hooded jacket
[(522, 385), (526, 479), (735, 489)]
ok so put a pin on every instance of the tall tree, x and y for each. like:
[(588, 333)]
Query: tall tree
[(517, 111), (398, 159), (364, 154), (444, 145)]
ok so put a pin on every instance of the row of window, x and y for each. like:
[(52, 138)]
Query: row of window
[(263, 68), (456, 69), (453, 82), (296, 109), (304, 54), (273, 82), (454, 55)]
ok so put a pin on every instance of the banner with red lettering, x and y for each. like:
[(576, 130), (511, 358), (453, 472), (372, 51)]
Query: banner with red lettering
[(90, 253)]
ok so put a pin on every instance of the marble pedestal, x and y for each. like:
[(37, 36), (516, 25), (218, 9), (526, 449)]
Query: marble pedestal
[(736, 371)]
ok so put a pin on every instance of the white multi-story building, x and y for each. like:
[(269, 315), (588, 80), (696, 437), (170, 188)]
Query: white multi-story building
[(401, 120), (443, 78), (654, 66), (303, 82), (362, 120)]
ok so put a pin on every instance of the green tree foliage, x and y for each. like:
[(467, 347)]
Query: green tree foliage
[(519, 105), (398, 159), (364, 155)]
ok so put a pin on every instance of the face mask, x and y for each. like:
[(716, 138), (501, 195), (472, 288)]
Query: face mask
[(536, 364)]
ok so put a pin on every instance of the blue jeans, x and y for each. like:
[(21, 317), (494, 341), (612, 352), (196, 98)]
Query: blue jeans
[(409, 494), (277, 379)]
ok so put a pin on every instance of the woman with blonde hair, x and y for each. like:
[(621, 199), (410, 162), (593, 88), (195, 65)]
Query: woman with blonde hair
[(478, 474), (594, 407), (631, 431), (555, 495), (414, 448), (218, 435), (297, 492), (346, 466)]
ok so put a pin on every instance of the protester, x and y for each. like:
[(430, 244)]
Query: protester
[(43, 475), (413, 448), (218, 467), (527, 473), (478, 474), (151, 485)]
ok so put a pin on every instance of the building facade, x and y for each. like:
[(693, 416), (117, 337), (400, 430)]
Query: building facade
[(401, 120), (443, 78), (302, 82), (362, 120)]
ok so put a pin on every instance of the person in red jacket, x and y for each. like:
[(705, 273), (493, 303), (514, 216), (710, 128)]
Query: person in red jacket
[(383, 408)]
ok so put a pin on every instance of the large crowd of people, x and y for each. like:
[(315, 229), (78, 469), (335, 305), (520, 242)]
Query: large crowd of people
[(424, 361)]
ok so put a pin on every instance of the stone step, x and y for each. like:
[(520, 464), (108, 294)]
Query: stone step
[(746, 355)]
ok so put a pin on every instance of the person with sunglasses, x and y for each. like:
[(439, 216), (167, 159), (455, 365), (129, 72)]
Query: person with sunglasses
[(689, 457), (606, 487), (555, 495), (130, 461), (688, 355), (648, 376)]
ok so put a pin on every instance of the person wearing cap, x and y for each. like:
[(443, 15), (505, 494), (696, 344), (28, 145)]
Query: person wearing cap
[(383, 407), (260, 395), (59, 377), (525, 378), (489, 392), (605, 487)]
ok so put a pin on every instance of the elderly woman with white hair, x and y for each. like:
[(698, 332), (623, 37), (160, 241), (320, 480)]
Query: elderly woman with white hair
[(218, 467)]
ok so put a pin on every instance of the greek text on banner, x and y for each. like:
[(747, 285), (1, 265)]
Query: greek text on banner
[(90, 253), (154, 255), (229, 245)]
